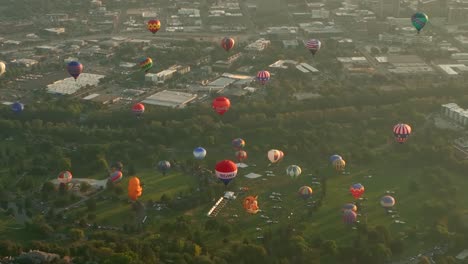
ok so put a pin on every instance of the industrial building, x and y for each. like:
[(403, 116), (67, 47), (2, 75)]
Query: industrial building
[(71, 86), (170, 98), (455, 113)]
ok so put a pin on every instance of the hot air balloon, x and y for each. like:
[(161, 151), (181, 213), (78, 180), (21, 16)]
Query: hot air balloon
[(275, 155), (164, 166), (74, 68), (138, 109), (419, 20), (145, 64), (293, 171), (349, 217), (17, 107), (115, 176), (2, 68), (305, 192), (356, 190), (350, 207), (199, 153), (134, 188), (227, 43), (221, 105), (313, 45), (263, 76), (339, 164), (335, 157), (387, 201), (250, 204), (153, 25), (226, 170), (64, 177), (401, 132), (117, 166), (241, 155), (238, 143)]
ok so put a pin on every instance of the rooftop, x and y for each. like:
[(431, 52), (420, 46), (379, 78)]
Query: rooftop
[(170, 98), (70, 86)]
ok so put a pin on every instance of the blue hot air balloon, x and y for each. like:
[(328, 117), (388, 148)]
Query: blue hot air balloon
[(17, 107), (199, 153)]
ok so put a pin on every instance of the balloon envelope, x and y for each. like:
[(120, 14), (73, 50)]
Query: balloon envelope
[(17, 107), (199, 153), (335, 157), (238, 143), (164, 165), (2, 68), (146, 64), (138, 108), (357, 190), (401, 132), (275, 155), (313, 45), (134, 188), (419, 20), (263, 76), (153, 25), (387, 201), (250, 204), (226, 170), (115, 176), (74, 68), (349, 206), (349, 217), (241, 155), (221, 105), (65, 177), (305, 192), (293, 171), (339, 164), (227, 43)]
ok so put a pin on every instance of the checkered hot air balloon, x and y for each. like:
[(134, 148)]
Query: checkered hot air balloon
[(305, 192), (401, 132), (74, 68), (153, 25), (145, 64), (227, 43), (293, 171), (65, 177), (356, 190), (419, 20), (263, 77), (387, 201), (313, 45)]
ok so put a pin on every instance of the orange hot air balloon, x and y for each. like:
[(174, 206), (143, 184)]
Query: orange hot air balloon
[(153, 25), (250, 204), (134, 188)]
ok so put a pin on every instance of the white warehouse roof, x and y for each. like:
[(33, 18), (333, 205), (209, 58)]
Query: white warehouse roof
[(70, 86), (170, 98)]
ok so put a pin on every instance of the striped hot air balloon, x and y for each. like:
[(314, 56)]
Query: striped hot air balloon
[(349, 217), (227, 43), (275, 155), (305, 192), (313, 45), (145, 64), (263, 77), (401, 132), (419, 20), (293, 171), (74, 68)]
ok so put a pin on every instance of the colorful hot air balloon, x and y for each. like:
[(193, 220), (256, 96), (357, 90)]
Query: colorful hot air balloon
[(199, 153), (74, 68), (134, 188), (65, 177), (138, 109), (226, 170), (117, 166), (145, 64), (313, 45), (387, 201), (2, 68), (335, 157), (339, 164), (221, 105), (356, 190), (293, 171), (115, 176), (350, 207), (153, 25), (263, 76), (250, 204), (401, 132), (238, 143), (227, 43), (17, 107), (349, 217), (241, 155), (275, 155), (419, 20), (164, 166), (305, 192)]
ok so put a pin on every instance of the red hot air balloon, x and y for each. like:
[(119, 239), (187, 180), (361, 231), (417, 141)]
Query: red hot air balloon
[(401, 132), (227, 43), (221, 105), (153, 25), (241, 155), (226, 170), (357, 190), (138, 109), (263, 77)]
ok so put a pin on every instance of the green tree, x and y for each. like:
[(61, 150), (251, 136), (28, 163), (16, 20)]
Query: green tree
[(76, 234)]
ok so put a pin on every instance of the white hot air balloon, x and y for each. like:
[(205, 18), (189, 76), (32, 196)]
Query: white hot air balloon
[(275, 155), (199, 153), (293, 171), (2, 68)]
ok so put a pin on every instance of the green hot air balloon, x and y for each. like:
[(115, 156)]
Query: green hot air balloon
[(419, 20)]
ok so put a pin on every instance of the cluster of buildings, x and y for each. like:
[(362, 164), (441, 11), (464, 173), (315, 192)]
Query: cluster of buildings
[(454, 112)]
